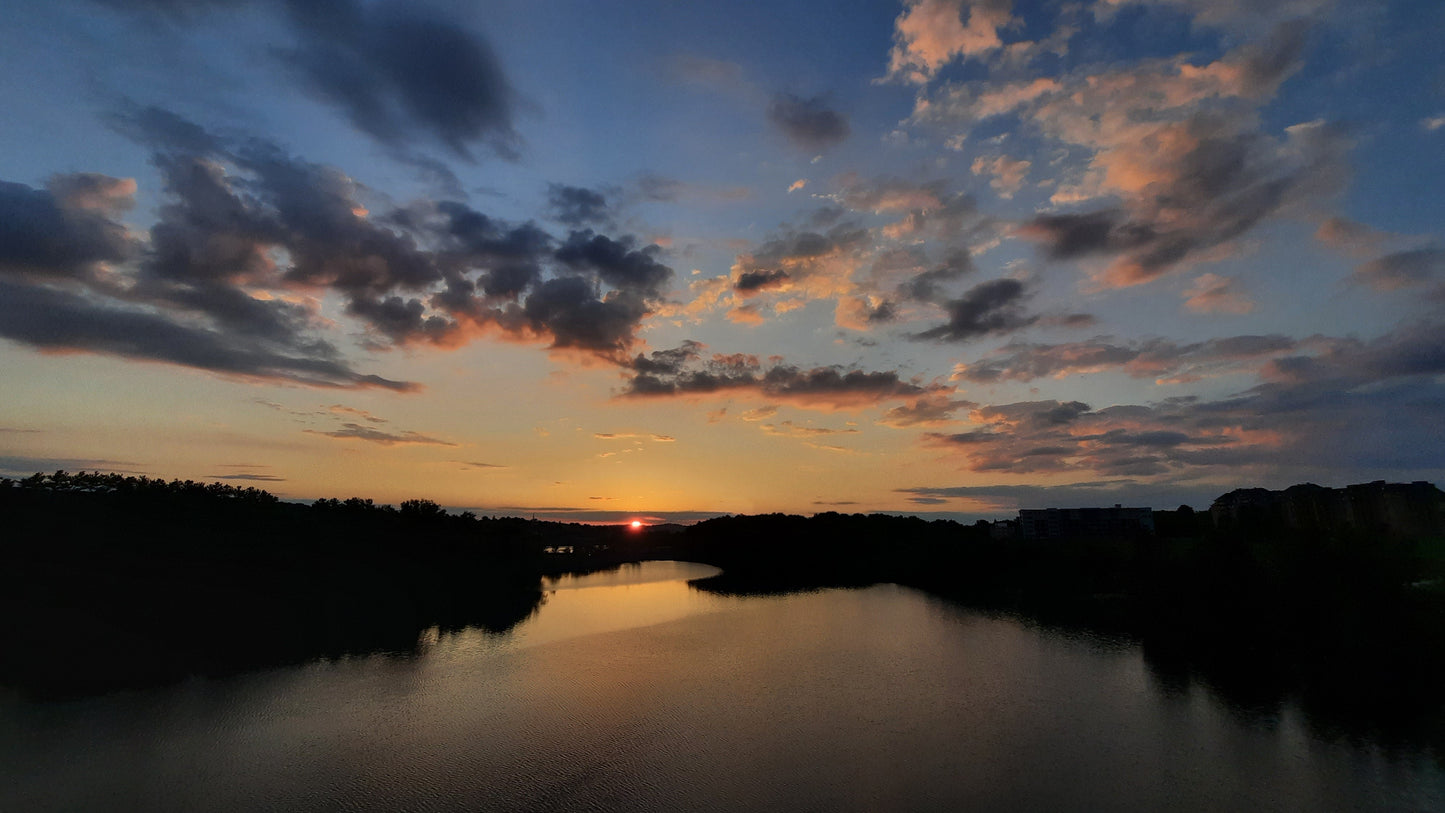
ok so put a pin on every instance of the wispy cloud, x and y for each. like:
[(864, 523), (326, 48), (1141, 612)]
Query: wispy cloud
[(353, 431)]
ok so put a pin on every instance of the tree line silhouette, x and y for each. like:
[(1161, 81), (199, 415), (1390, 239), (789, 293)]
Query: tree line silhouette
[(112, 580)]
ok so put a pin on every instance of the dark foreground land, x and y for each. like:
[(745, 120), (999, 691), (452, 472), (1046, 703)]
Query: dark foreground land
[(109, 581)]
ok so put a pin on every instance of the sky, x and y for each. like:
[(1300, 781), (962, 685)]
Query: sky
[(599, 261)]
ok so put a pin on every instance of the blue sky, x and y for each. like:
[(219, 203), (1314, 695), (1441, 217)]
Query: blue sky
[(603, 260)]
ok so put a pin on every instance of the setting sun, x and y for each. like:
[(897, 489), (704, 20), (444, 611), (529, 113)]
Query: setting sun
[(636, 524)]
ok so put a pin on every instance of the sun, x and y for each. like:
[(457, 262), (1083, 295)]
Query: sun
[(636, 523)]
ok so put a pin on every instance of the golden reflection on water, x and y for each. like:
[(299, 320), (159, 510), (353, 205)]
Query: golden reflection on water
[(630, 596), (628, 691)]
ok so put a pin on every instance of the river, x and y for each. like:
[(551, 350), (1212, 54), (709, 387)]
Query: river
[(631, 690)]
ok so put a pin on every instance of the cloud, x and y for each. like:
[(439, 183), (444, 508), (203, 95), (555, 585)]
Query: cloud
[(1235, 15), (750, 282), (258, 478), (468, 464), (793, 267), (21, 466), (926, 286), (249, 240), (339, 409), (1433, 123), (1211, 293), (53, 320), (927, 210), (617, 262), (1007, 497), (788, 429), (577, 207), (1006, 174), (576, 316), (353, 431), (1170, 153), (1402, 269), (66, 230), (683, 372), (761, 413), (933, 409), (929, 34), (397, 74), (634, 436), (1369, 408), (1160, 359), (987, 308), (1353, 238), (1190, 190), (808, 123)]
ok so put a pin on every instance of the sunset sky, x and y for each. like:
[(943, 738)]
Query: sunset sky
[(653, 259)]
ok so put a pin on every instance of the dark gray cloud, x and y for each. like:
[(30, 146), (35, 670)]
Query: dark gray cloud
[(249, 238), (927, 286), (792, 256), (49, 319), (750, 282), (511, 256), (987, 308), (1264, 66), (576, 316), (810, 245), (1152, 358), (65, 230), (617, 262), (576, 206), (1338, 405), (258, 478), (683, 371), (396, 73), (1227, 180), (808, 123), (930, 410), (1402, 269)]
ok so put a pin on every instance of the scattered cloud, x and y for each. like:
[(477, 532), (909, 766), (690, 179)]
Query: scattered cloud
[(1376, 401), (1211, 293), (987, 308), (929, 34), (809, 124), (1006, 175), (353, 431), (1402, 269), (578, 207), (339, 409), (1160, 359), (683, 372), (397, 72), (258, 478)]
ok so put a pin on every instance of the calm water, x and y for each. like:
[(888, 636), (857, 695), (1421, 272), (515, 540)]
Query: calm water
[(630, 690)]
